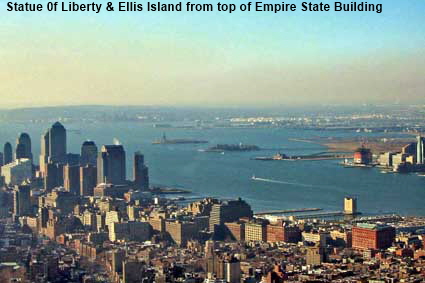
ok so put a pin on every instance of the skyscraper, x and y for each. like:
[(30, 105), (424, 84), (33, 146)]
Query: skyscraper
[(140, 172), (7, 153), (23, 147), (71, 178), (57, 143), (45, 151), (21, 200), (53, 176), (88, 154), (19, 151), (420, 151), (111, 165), (88, 180)]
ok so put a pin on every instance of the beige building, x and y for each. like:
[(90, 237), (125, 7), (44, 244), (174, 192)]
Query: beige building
[(89, 220), (181, 231), (321, 238), (17, 172), (255, 232), (350, 205), (314, 256), (112, 217), (130, 231)]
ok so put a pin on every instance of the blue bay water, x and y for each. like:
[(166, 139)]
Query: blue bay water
[(296, 184)]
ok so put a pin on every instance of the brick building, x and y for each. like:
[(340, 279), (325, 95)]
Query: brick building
[(372, 236)]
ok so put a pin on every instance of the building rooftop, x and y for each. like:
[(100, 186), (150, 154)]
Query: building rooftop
[(372, 226)]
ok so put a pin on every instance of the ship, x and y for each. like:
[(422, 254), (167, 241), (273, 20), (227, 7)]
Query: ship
[(165, 140), (256, 178)]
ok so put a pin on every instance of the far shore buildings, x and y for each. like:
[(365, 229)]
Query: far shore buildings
[(362, 156), (411, 157)]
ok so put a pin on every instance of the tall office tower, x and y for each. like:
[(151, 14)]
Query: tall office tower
[(23, 147), (21, 200), (7, 153), (420, 151), (140, 172), (44, 154), (71, 178), (111, 165), (19, 151), (73, 159), (88, 154), (53, 176), (1, 159), (57, 143), (88, 180)]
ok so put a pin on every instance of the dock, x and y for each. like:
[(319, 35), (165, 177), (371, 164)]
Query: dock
[(321, 215), (271, 212), (310, 157)]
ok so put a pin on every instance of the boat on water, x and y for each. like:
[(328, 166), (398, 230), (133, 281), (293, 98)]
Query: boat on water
[(258, 179)]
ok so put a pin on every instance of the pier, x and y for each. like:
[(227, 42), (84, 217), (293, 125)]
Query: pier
[(321, 215), (271, 212)]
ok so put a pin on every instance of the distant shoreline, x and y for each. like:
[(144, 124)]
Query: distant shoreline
[(351, 144)]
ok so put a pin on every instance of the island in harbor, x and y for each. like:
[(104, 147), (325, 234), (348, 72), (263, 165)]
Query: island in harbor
[(232, 147), (164, 140)]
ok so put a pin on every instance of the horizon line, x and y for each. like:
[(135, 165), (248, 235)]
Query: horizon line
[(217, 107)]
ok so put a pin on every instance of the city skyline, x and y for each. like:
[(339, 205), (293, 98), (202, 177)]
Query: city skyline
[(126, 228), (165, 59)]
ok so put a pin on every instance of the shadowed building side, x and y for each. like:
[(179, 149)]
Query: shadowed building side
[(7, 153), (140, 172), (23, 147), (88, 180), (57, 143), (111, 165), (88, 154)]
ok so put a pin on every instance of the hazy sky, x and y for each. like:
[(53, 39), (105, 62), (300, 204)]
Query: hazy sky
[(214, 59)]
